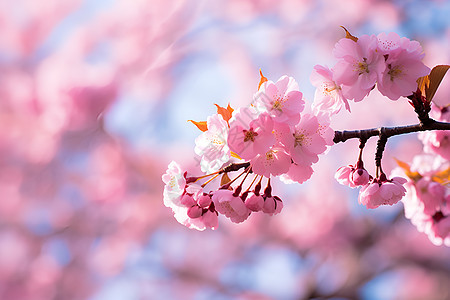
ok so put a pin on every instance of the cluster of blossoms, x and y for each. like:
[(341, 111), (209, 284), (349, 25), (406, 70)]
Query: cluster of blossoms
[(374, 191), (277, 136), (427, 200), (390, 62), (271, 137)]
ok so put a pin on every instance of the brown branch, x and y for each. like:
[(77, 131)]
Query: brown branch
[(387, 132), (234, 167)]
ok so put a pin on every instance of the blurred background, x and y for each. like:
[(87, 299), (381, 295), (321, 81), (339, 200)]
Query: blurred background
[(94, 99)]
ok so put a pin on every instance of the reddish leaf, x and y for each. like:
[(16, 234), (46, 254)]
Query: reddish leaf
[(442, 177), (412, 175), (429, 84), (200, 125), (225, 179), (435, 77), (348, 35), (263, 79), (225, 112)]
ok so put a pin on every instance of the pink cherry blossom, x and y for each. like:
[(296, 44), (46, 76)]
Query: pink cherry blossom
[(436, 226), (392, 43), (431, 195), (175, 183), (382, 192), (428, 164), (252, 139), (440, 113), (352, 176), (281, 132), (403, 65), (359, 66), (400, 76), (282, 100), (274, 162), (328, 97), (305, 143), (212, 145), (325, 131), (440, 230), (344, 176), (436, 142), (297, 173), (231, 205)]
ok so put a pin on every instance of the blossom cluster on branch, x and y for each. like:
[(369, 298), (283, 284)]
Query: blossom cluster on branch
[(280, 135)]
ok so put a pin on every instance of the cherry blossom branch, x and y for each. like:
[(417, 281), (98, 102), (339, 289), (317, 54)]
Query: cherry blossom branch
[(384, 133), (234, 167), (387, 132)]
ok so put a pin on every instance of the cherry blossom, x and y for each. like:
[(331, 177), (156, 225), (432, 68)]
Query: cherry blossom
[(359, 66), (212, 145), (352, 176), (230, 204), (274, 162), (175, 183), (403, 68), (282, 100), (305, 143), (325, 130), (344, 176), (328, 97), (436, 142), (297, 173), (436, 226), (252, 139), (382, 191)]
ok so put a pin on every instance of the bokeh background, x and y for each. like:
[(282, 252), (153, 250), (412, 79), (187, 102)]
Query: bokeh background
[(94, 98)]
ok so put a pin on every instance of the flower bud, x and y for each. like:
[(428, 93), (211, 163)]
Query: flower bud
[(194, 212), (187, 200), (360, 177), (255, 202), (204, 201)]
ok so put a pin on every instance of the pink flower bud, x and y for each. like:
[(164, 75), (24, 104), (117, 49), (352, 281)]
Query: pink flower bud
[(272, 205), (211, 220), (382, 191), (187, 200), (343, 175), (360, 177), (204, 201), (194, 212), (255, 202)]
